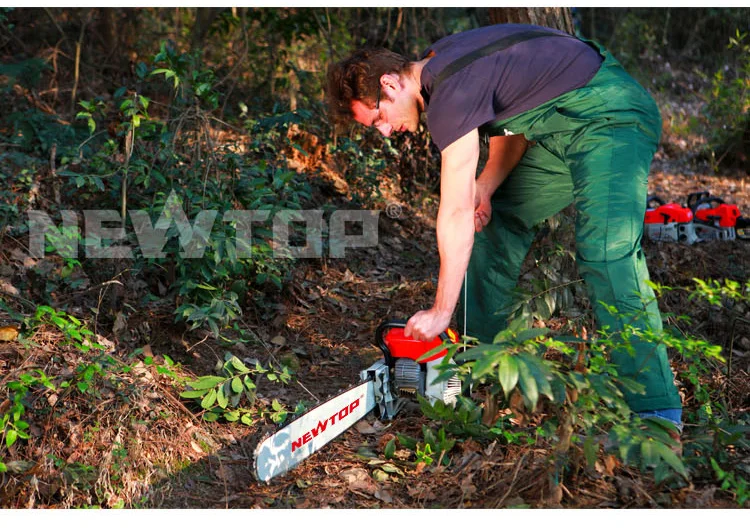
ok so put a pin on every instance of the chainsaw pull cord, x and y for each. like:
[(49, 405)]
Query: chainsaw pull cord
[(466, 307)]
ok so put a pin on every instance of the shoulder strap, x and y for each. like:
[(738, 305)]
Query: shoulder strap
[(490, 48)]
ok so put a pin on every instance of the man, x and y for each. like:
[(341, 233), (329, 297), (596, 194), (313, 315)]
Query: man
[(567, 125)]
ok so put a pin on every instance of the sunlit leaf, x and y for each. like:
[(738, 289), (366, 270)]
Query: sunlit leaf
[(507, 373), (209, 400), (206, 382)]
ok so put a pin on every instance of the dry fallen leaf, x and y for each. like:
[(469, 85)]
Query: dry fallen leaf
[(224, 473), (8, 334), (364, 428), (467, 487), (6, 287), (421, 492), (383, 495), (278, 340), (121, 323), (358, 479)]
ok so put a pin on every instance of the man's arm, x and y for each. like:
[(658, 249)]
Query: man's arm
[(504, 154), (455, 234)]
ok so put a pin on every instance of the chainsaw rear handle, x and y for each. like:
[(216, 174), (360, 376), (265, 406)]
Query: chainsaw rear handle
[(695, 200), (654, 198), (384, 327)]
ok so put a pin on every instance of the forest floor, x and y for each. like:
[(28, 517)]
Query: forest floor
[(138, 444)]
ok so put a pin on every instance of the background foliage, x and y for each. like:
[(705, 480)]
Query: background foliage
[(116, 108)]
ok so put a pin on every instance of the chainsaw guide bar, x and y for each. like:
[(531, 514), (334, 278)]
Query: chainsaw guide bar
[(298, 440)]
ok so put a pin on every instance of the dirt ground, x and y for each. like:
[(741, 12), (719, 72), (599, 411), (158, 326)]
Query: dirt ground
[(327, 323), (322, 325)]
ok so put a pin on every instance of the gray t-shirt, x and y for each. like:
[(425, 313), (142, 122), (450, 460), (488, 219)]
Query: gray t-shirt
[(502, 84)]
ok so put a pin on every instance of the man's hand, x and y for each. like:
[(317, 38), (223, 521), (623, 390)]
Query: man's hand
[(426, 324), (504, 154), (482, 207)]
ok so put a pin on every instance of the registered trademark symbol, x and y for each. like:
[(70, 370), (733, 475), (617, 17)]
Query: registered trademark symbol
[(393, 210)]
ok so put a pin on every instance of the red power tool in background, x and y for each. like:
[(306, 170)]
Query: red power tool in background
[(717, 220), (705, 218), (669, 222)]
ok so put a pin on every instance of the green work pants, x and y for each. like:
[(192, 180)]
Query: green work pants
[(592, 147)]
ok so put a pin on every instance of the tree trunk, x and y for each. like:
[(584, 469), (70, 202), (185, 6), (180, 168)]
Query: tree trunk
[(552, 17), (204, 17)]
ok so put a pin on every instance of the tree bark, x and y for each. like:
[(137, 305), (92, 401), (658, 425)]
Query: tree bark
[(204, 17), (553, 17)]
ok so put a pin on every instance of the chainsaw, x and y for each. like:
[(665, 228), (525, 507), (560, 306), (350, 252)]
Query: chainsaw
[(717, 220), (387, 385), (669, 222), (705, 218)]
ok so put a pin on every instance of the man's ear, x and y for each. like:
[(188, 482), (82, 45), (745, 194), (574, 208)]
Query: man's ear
[(390, 81)]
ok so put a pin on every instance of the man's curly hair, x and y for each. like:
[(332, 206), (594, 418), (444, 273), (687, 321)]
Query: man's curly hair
[(357, 78)]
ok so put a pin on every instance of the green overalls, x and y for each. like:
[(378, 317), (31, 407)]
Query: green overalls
[(593, 147)]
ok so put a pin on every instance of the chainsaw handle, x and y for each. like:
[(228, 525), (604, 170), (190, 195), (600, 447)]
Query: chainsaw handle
[(654, 198), (395, 324), (695, 200)]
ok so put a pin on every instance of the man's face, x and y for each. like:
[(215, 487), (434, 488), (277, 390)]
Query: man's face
[(397, 110)]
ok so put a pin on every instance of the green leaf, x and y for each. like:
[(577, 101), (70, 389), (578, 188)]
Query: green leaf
[(507, 373), (209, 400), (239, 365), (214, 328), (10, 438), (671, 458), (432, 352), (3, 468), (407, 442), (237, 385), (527, 383), (193, 394), (246, 419), (232, 415), (221, 394), (530, 334), (475, 353), (648, 453), (483, 366), (390, 448), (590, 449), (276, 405), (447, 374), (206, 382), (249, 384), (540, 374)]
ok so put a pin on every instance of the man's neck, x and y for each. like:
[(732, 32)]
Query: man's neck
[(415, 75)]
